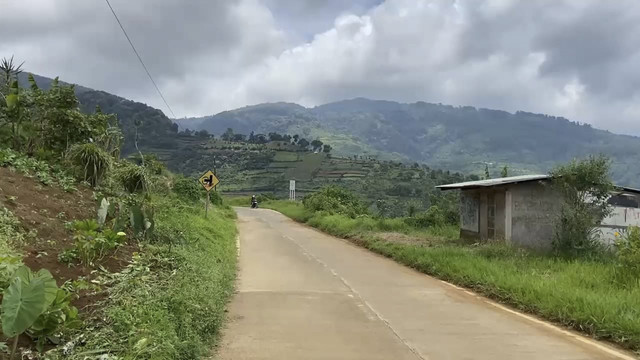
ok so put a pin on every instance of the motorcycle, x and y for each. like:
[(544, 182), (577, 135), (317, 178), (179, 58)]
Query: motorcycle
[(254, 204)]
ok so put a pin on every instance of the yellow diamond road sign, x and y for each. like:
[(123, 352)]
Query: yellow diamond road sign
[(209, 180)]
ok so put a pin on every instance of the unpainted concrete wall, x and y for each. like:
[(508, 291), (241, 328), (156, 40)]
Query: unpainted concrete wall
[(500, 215), (534, 209), (469, 212), (473, 214)]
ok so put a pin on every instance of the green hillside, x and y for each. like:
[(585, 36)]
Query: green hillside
[(244, 168), (442, 136), (463, 139), (158, 130), (291, 119)]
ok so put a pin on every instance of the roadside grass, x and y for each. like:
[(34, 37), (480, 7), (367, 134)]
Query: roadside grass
[(581, 294), (170, 302), (344, 226), (237, 200)]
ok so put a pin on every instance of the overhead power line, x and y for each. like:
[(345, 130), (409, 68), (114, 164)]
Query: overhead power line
[(139, 58)]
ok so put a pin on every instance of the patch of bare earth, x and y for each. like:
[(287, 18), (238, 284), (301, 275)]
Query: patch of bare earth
[(46, 210)]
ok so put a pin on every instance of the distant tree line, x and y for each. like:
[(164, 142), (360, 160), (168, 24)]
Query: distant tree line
[(253, 138)]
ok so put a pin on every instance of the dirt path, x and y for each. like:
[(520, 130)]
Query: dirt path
[(306, 295)]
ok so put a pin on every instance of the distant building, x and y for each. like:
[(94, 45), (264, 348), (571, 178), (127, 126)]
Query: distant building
[(521, 210)]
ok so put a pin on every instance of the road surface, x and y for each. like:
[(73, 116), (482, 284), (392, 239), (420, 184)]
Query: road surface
[(302, 294)]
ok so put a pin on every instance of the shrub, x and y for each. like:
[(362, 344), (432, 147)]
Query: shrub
[(434, 216), (188, 189), (335, 200), (134, 178), (154, 165), (629, 254), (584, 187), (92, 162), (265, 197), (215, 198)]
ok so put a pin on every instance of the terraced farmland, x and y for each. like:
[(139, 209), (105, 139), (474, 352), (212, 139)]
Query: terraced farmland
[(245, 168)]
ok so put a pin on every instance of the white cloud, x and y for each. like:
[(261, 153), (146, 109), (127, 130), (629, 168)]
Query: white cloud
[(551, 56)]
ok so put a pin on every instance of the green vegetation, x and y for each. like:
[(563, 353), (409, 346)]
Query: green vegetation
[(596, 295), (585, 188), (335, 200), (169, 303), (44, 172), (629, 256), (152, 273), (92, 161), (91, 242), (443, 136), (33, 303), (159, 130), (363, 225)]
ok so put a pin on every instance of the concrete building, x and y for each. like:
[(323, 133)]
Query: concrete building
[(521, 210)]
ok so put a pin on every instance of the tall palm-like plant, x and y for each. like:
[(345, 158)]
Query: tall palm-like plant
[(9, 72), (91, 160)]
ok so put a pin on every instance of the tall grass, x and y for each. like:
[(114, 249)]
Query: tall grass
[(582, 294), (344, 226)]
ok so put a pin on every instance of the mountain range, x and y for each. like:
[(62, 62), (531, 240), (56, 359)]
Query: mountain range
[(459, 138), (443, 136)]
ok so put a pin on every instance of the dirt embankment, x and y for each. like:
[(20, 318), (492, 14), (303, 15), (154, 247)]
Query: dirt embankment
[(44, 211)]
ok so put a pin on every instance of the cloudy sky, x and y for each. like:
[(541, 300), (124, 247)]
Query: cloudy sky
[(574, 58)]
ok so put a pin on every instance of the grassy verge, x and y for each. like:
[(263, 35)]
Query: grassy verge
[(343, 226), (578, 293), (170, 302), (237, 200)]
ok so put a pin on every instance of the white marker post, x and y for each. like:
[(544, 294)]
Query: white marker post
[(292, 190)]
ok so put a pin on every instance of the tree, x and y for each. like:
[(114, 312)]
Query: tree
[(239, 137), (505, 171), (274, 136), (411, 210), (303, 143), (252, 138), (585, 188), (487, 175), (326, 148), (202, 133), (228, 135), (316, 144)]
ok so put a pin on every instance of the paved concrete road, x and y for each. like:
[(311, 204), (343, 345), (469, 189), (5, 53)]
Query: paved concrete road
[(305, 295)]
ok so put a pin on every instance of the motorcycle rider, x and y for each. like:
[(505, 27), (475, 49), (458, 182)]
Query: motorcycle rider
[(254, 202)]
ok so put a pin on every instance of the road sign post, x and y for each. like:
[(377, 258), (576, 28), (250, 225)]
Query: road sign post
[(206, 206), (208, 181)]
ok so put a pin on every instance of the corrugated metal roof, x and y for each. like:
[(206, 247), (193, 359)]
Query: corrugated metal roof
[(628, 189), (494, 182)]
